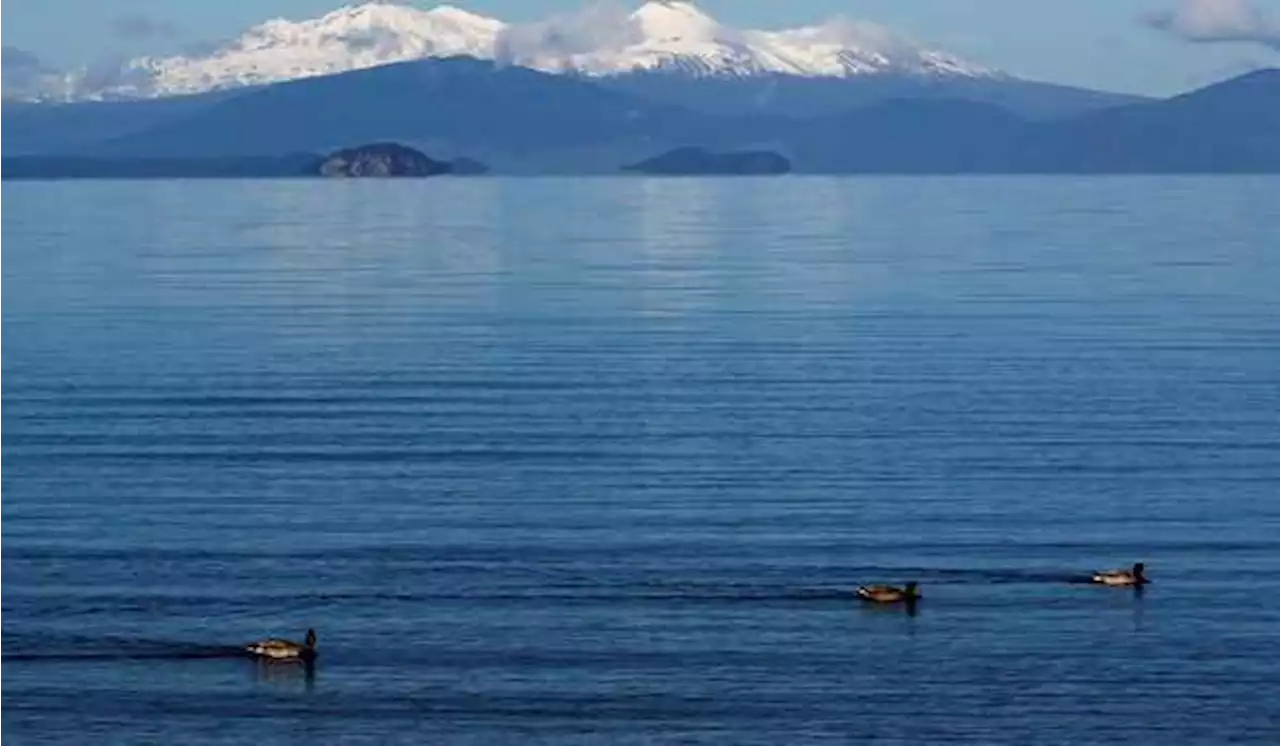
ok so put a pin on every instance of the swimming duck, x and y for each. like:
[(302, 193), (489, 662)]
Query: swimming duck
[(1132, 577), (277, 649), (889, 594)]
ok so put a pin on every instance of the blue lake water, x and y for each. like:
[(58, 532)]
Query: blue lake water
[(575, 461)]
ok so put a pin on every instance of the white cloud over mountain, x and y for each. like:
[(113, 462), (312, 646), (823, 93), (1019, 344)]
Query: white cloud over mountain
[(1219, 21)]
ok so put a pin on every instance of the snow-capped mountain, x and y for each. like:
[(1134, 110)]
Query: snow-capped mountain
[(676, 35), (350, 38), (662, 35)]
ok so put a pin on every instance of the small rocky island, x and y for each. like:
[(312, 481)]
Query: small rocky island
[(388, 159), (702, 162)]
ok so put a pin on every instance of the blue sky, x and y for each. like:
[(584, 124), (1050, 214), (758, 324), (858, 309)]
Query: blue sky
[(1143, 46)]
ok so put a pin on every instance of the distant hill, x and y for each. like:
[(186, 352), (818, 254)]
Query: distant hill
[(910, 136), (449, 106), (32, 129), (117, 127), (799, 96), (1231, 127), (702, 162)]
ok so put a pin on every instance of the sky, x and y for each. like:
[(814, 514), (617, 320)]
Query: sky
[(1153, 47)]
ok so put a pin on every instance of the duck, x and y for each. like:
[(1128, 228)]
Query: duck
[(1117, 578), (889, 594), (277, 649)]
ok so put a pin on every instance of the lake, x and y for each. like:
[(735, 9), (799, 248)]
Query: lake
[(597, 460)]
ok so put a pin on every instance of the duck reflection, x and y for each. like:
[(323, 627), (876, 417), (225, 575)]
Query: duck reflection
[(284, 672)]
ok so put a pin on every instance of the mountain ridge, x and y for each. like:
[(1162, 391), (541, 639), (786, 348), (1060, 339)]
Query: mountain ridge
[(526, 121), (452, 106), (522, 120), (672, 36)]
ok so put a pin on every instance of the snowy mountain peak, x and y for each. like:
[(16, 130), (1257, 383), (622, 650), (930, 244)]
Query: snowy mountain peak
[(391, 15), (674, 20), (349, 38), (661, 35), (463, 17)]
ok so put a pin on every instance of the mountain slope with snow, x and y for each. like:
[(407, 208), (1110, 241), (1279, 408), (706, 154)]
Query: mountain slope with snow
[(350, 38), (662, 35), (677, 36)]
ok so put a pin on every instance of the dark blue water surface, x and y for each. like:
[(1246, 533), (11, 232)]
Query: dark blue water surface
[(599, 461)]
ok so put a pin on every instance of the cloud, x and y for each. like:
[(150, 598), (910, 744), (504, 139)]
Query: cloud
[(28, 78), (19, 62), (851, 32), (139, 26), (606, 25), (1207, 21), (24, 75), (114, 74)]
